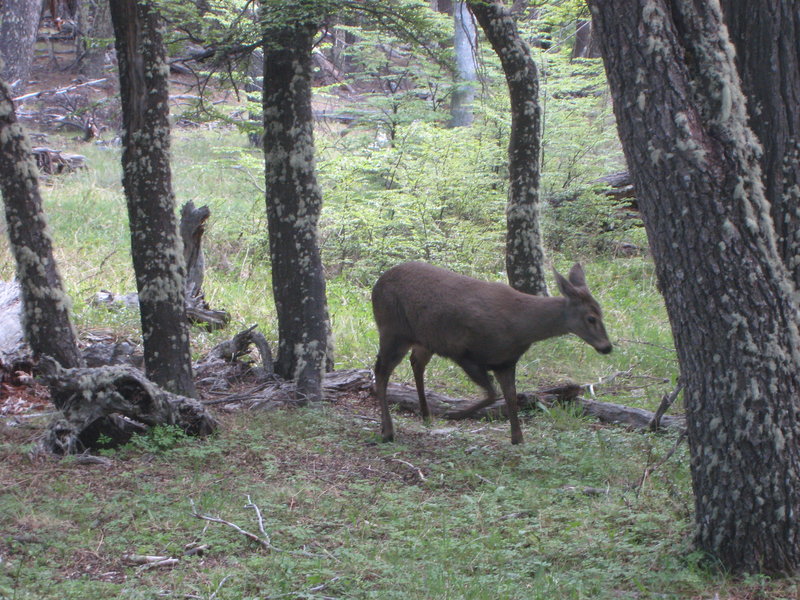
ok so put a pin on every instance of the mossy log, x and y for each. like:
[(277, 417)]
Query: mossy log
[(113, 402), (607, 412)]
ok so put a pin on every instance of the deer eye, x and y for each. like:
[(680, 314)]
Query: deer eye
[(591, 320)]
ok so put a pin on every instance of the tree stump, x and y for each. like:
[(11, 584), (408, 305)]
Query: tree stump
[(112, 403)]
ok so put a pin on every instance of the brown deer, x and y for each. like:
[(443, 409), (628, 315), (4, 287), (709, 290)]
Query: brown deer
[(482, 326)]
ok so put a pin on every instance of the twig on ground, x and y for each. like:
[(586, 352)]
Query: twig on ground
[(251, 536), (264, 542), (311, 590), (151, 562), (251, 504), (408, 464), (219, 587)]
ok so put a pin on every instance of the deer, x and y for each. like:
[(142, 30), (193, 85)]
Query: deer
[(482, 326)]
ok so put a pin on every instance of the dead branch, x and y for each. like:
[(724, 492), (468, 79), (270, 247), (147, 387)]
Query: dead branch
[(265, 541), (222, 364), (57, 91), (666, 401), (410, 466)]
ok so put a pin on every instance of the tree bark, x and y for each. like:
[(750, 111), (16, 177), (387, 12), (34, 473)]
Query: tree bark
[(465, 44), (767, 40), (155, 245), (524, 252), (19, 24), (46, 321), (294, 202), (585, 42), (92, 400), (694, 162), (97, 32)]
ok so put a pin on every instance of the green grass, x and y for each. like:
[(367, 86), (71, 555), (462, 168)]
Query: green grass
[(460, 514), (448, 511)]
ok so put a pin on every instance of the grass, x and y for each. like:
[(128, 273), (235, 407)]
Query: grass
[(448, 511), (439, 514), (455, 515)]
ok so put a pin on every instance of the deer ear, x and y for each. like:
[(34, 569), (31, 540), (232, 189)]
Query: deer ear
[(567, 289), (576, 275)]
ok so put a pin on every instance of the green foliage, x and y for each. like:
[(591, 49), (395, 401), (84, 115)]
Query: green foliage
[(159, 439), (592, 223), (568, 515), (432, 195)]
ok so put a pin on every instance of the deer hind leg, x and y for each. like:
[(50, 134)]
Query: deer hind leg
[(420, 357), (479, 375), (391, 352), (507, 380)]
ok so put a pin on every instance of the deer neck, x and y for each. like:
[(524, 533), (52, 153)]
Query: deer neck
[(545, 317)]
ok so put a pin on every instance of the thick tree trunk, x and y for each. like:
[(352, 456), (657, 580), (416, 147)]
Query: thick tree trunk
[(682, 122), (767, 40), (465, 44), (294, 202), (155, 244), (45, 304), (524, 253), (19, 23)]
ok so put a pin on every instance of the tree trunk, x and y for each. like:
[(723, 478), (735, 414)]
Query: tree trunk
[(155, 244), (767, 40), (524, 253), (465, 45), (681, 118), (585, 43), (294, 202), (97, 31), (45, 304), (19, 24)]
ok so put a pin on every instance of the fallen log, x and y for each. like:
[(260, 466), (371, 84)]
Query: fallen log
[(639, 419), (56, 162), (111, 404), (446, 407)]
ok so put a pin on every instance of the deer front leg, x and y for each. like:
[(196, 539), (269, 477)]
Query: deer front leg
[(420, 357), (507, 380)]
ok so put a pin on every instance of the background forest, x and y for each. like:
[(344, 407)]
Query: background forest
[(582, 510)]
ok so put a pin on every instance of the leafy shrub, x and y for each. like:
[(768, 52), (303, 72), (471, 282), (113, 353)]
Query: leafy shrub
[(432, 195), (589, 222)]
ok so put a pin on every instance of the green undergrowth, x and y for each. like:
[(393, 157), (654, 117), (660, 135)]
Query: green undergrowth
[(578, 511)]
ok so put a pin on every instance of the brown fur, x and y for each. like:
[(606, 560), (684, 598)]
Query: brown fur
[(482, 326)]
